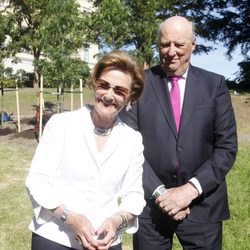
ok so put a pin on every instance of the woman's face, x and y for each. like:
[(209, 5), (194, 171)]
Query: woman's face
[(112, 92)]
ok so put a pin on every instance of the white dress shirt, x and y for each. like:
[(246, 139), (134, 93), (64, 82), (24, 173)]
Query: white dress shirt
[(67, 169)]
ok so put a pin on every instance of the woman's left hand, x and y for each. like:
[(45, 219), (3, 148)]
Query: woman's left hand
[(107, 232)]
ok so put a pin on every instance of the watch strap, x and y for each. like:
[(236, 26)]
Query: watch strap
[(64, 215), (159, 191)]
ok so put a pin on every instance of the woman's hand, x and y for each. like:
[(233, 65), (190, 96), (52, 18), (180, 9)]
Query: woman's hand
[(83, 229), (107, 232)]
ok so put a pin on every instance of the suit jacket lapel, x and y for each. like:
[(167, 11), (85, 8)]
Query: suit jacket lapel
[(159, 85), (189, 98)]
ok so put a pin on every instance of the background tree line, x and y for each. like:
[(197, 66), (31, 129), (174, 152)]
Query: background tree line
[(54, 30)]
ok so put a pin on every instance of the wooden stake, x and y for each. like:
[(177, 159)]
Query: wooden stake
[(41, 109), (59, 99), (81, 93), (17, 108), (2, 111), (71, 97)]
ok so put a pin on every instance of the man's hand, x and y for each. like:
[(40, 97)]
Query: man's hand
[(182, 214), (177, 199)]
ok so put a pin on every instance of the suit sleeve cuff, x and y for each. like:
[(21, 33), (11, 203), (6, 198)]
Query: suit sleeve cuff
[(194, 181)]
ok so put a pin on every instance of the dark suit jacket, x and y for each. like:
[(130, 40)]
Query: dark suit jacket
[(205, 147)]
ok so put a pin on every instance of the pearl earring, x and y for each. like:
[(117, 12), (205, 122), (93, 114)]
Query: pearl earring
[(128, 107)]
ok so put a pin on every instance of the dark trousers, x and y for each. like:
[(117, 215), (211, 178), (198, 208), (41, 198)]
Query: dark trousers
[(157, 234), (41, 243)]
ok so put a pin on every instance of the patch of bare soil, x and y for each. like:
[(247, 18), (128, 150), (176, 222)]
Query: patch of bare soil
[(27, 137)]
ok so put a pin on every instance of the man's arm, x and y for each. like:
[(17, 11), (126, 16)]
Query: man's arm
[(215, 169), (150, 180)]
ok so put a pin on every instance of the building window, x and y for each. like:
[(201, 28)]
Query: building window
[(86, 53)]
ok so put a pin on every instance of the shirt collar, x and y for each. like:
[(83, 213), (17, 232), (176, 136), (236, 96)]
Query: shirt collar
[(184, 76)]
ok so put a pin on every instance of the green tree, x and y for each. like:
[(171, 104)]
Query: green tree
[(3, 54), (133, 24), (43, 26), (4, 27), (2, 36), (231, 26), (54, 73), (243, 76), (65, 35)]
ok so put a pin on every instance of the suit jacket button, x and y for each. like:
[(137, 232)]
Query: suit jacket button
[(175, 176), (179, 149)]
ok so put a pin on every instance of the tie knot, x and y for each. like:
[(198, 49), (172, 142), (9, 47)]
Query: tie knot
[(174, 80)]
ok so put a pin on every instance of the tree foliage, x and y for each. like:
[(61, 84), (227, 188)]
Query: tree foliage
[(53, 29), (48, 29), (54, 73), (133, 24), (231, 26), (125, 24), (243, 76), (3, 29), (64, 35)]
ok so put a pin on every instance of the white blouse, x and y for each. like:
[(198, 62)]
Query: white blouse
[(67, 169)]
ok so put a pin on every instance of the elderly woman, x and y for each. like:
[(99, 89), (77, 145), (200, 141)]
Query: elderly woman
[(85, 180)]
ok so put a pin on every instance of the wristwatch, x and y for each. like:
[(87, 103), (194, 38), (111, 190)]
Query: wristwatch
[(64, 215), (159, 191)]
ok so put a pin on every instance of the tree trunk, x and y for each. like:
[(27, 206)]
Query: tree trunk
[(36, 53), (36, 79)]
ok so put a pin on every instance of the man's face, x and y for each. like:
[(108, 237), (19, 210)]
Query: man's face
[(176, 47)]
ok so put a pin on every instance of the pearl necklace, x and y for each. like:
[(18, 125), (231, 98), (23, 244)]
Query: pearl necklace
[(102, 131), (99, 131)]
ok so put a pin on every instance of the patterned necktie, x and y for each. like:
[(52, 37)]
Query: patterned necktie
[(175, 100)]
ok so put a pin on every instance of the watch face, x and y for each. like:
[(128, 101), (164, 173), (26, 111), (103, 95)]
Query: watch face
[(157, 194), (64, 215)]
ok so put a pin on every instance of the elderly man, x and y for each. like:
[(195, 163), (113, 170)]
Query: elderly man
[(189, 133)]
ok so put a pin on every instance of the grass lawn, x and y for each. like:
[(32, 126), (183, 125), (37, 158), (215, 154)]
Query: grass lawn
[(16, 154)]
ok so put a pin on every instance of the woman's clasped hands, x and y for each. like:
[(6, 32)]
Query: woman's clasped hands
[(91, 238)]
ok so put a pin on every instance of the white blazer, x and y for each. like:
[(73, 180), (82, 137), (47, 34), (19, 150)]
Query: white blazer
[(67, 169)]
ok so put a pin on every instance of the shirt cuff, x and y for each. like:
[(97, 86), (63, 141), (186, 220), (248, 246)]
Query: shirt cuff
[(196, 184), (158, 191)]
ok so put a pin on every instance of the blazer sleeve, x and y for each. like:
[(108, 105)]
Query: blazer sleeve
[(150, 179), (41, 177), (213, 171)]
